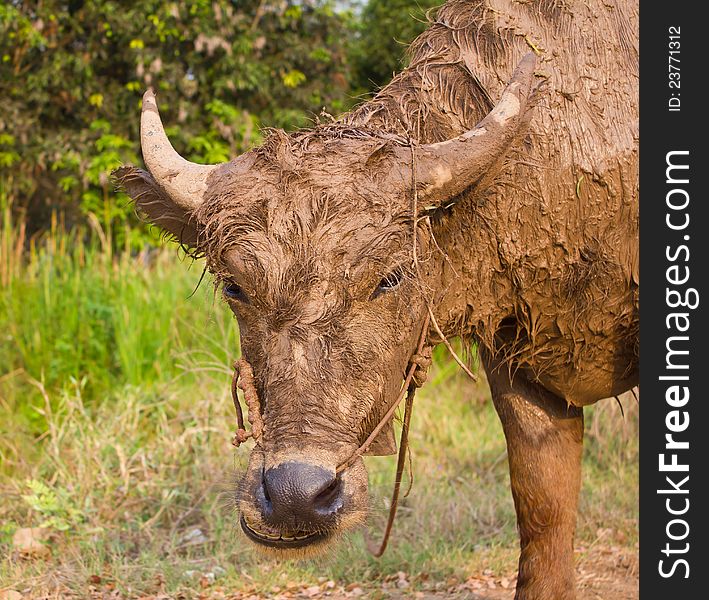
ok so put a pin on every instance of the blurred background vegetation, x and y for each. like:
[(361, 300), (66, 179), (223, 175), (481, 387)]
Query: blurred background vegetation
[(114, 411), (72, 75)]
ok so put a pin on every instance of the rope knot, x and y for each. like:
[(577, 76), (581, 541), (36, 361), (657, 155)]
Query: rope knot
[(421, 361), (240, 436)]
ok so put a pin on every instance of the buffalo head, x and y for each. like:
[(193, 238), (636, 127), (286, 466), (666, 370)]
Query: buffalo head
[(323, 246)]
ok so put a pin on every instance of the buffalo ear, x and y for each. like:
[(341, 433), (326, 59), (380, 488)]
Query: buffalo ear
[(384, 444), (153, 203)]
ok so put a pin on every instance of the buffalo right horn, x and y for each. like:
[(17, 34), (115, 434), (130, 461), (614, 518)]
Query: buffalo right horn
[(445, 169)]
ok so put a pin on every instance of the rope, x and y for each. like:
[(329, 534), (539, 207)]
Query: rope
[(400, 464), (390, 413)]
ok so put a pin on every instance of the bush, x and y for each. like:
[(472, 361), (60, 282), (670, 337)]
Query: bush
[(72, 75)]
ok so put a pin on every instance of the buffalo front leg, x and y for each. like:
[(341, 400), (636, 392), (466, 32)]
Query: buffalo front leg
[(544, 446)]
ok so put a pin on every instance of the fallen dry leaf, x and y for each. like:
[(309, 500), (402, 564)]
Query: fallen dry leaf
[(10, 595), (29, 542)]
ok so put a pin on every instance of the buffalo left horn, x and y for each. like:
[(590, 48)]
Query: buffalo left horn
[(184, 181), (445, 169)]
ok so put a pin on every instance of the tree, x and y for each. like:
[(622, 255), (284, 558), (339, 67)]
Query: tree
[(72, 75), (386, 29)]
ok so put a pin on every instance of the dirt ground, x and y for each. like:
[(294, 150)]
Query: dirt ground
[(606, 574), (602, 574)]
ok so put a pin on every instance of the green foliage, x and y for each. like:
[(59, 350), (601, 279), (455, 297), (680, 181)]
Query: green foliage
[(386, 29), (7, 530), (55, 506), (72, 75)]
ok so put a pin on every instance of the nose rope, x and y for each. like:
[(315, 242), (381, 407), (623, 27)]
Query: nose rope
[(406, 389), (409, 388), (243, 379)]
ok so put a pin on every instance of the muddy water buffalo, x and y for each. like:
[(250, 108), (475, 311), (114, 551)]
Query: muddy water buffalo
[(488, 192)]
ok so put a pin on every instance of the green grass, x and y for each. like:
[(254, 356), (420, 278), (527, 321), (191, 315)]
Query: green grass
[(115, 426)]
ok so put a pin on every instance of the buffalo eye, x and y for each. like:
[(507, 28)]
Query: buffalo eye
[(233, 291), (389, 283)]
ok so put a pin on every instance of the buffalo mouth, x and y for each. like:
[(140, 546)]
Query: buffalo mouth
[(280, 539)]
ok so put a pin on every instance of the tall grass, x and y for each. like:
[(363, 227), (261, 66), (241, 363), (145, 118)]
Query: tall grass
[(73, 311), (115, 424)]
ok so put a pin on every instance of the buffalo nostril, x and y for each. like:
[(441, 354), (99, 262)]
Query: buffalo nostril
[(327, 498), (264, 487), (263, 499)]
